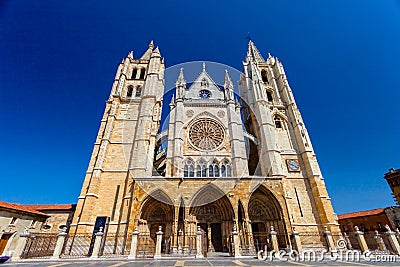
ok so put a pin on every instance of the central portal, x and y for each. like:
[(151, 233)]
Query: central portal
[(215, 218)]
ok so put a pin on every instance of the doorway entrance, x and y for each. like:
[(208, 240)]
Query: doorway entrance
[(3, 241)]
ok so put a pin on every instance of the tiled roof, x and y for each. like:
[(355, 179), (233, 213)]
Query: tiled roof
[(361, 213), (21, 207), (47, 207)]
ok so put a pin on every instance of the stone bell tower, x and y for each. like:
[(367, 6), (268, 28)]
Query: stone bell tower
[(127, 132), (284, 148)]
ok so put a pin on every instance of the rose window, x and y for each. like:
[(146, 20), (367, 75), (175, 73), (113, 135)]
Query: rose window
[(206, 134)]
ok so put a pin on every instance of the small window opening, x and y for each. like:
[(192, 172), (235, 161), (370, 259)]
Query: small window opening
[(264, 76), (134, 73), (269, 96), (130, 90), (142, 73), (138, 91), (278, 122)]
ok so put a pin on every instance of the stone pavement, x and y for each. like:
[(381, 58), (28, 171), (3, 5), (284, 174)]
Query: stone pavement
[(189, 262)]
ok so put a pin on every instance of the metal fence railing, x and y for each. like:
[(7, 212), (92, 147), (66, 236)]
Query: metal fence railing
[(77, 246), (39, 245)]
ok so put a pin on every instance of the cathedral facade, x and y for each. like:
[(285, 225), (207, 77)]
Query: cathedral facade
[(230, 158)]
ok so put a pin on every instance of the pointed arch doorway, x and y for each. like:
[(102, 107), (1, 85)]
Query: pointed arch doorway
[(157, 210), (265, 212), (213, 212)]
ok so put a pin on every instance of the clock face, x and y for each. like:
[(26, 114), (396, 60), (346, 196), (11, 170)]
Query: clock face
[(293, 165), (204, 94)]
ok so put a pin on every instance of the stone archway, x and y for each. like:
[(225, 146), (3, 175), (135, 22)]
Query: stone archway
[(265, 212), (212, 211), (157, 210)]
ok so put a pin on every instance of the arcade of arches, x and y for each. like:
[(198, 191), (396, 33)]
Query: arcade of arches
[(216, 219)]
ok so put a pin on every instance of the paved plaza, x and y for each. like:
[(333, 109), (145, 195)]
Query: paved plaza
[(192, 262)]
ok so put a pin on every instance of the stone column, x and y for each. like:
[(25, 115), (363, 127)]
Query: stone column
[(175, 231), (210, 245), (236, 245), (274, 240), (297, 241), (250, 242), (97, 244), (159, 234), (379, 241), (199, 243), (393, 240), (60, 244), (180, 241), (329, 240), (134, 244), (23, 238), (361, 240)]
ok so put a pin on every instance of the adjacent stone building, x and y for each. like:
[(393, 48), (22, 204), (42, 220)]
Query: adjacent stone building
[(371, 220), (19, 218), (393, 179), (229, 157), (15, 219)]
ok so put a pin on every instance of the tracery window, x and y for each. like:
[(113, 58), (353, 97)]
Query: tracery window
[(206, 134), (213, 169), (188, 169), (226, 169), (203, 169)]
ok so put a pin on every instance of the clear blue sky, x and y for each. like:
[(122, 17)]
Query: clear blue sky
[(58, 61)]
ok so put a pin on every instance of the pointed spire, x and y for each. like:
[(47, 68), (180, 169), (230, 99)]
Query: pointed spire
[(156, 53), (227, 82), (228, 86), (204, 66), (151, 44), (270, 59), (172, 104), (253, 53), (180, 85), (181, 78), (149, 51), (130, 55)]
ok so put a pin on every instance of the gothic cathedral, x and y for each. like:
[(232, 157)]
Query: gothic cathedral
[(232, 158)]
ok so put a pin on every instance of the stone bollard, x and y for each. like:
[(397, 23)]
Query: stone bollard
[(379, 241), (361, 240), (274, 240), (60, 244), (159, 234), (329, 240), (19, 249), (393, 240), (199, 243), (236, 245), (97, 244), (297, 241), (348, 242), (134, 243)]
